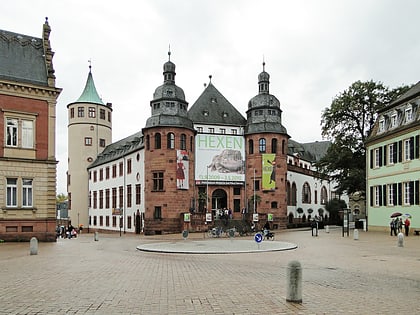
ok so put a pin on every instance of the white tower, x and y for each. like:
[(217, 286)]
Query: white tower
[(89, 132)]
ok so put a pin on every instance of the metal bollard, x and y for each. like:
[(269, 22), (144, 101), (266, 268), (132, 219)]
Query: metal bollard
[(356, 234), (400, 240), (33, 246), (96, 236), (294, 282)]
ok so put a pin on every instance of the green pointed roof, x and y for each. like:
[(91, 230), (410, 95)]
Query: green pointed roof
[(90, 95)]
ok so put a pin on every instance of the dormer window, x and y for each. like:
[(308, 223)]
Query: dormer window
[(224, 114), (408, 114), (206, 113), (393, 120), (213, 100), (169, 92), (382, 125)]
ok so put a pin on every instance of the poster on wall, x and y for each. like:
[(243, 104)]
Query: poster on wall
[(268, 171), (220, 159), (182, 169)]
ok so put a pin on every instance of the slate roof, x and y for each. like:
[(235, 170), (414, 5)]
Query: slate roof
[(311, 151), (213, 108), (22, 58), (411, 93), (119, 149)]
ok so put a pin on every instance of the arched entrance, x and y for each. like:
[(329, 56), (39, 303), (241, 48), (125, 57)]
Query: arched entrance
[(219, 199)]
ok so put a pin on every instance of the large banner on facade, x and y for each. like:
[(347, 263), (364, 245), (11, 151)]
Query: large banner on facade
[(182, 169), (219, 158), (268, 171)]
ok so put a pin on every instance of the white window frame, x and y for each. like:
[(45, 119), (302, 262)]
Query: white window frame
[(377, 195), (27, 192), (11, 192), (376, 156), (381, 125), (391, 149), (406, 187), (408, 114), (393, 120), (12, 131), (390, 195), (27, 134), (407, 150)]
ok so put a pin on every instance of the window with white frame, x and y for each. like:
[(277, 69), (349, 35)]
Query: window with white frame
[(391, 153), (382, 125), (393, 120), (377, 193), (390, 195), (27, 196), (377, 157), (11, 192), (407, 150), (19, 133), (406, 186), (408, 114)]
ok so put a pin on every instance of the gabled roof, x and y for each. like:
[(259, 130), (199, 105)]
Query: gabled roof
[(213, 108), (311, 151), (411, 93), (22, 58)]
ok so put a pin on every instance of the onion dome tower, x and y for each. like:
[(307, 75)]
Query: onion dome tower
[(89, 132), (266, 152), (169, 157)]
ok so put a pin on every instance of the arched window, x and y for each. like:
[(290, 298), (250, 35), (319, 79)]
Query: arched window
[(283, 143), (157, 141), (274, 145), (170, 140), (183, 143), (288, 194), (147, 142), (306, 193), (191, 143), (324, 195), (251, 146), (262, 145), (294, 195)]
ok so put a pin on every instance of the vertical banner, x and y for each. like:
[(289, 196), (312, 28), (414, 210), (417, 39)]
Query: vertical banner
[(182, 169), (268, 171)]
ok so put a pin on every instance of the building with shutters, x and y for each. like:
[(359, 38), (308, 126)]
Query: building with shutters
[(393, 165)]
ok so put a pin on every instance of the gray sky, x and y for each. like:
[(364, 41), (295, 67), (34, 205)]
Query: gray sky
[(313, 51)]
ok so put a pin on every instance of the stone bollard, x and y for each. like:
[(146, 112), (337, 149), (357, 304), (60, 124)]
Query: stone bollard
[(33, 247), (400, 240), (96, 236), (327, 229), (294, 282), (356, 234)]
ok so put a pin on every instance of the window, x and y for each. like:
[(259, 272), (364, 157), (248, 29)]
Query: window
[(406, 186), (107, 172), (377, 195), (158, 181), (101, 174), (377, 157), (170, 139), (157, 214), (95, 199), (95, 176), (407, 150), (408, 114), (92, 112), (381, 125), (27, 134), (12, 132), (393, 120), (71, 112), (392, 153), (102, 143), (121, 167), (211, 130), (114, 170), (109, 116), (121, 197), (138, 194), (251, 146), (262, 145), (306, 193), (102, 114), (129, 166), (107, 196), (274, 145), (222, 131), (234, 131), (114, 197), (101, 199), (80, 112), (27, 197), (183, 144), (324, 195), (391, 193), (129, 196), (11, 192), (88, 141), (236, 191), (157, 141), (294, 195), (200, 129)]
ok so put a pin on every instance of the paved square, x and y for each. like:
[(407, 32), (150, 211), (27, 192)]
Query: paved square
[(371, 275)]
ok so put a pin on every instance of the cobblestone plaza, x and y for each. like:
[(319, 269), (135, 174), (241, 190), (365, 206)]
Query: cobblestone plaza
[(371, 275)]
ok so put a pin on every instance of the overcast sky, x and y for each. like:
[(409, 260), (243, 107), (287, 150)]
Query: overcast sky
[(313, 51)]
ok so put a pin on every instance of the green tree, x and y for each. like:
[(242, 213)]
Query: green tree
[(347, 123), (257, 201), (333, 207)]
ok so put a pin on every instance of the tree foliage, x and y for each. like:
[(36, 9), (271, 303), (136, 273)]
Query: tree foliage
[(60, 198), (347, 123)]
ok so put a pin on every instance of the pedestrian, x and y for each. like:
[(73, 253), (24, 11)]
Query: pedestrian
[(391, 226), (407, 226)]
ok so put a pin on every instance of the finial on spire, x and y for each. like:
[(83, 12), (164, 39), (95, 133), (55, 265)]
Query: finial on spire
[(263, 63), (169, 52), (46, 20), (90, 65), (210, 76)]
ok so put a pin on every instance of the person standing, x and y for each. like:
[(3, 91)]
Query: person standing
[(391, 226), (407, 226)]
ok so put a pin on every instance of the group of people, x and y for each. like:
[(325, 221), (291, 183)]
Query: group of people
[(396, 226), (68, 231)]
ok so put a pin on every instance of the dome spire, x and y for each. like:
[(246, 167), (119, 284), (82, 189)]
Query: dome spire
[(169, 69), (263, 80), (89, 94)]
